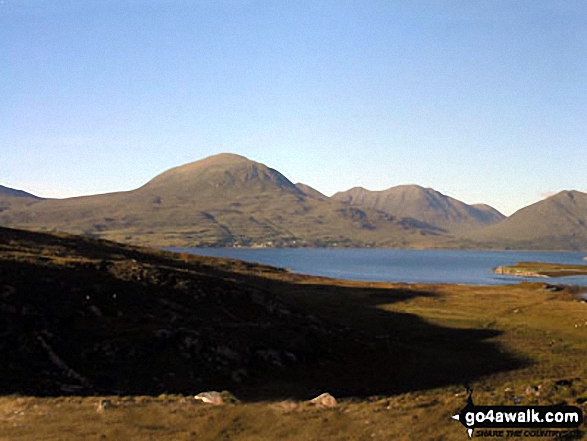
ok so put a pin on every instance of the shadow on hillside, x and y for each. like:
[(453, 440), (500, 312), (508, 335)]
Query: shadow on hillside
[(394, 353), (77, 329)]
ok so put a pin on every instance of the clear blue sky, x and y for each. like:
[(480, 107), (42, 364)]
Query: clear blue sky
[(485, 101)]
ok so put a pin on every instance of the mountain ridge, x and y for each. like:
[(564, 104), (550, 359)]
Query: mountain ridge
[(424, 204), (224, 200), (558, 222), (230, 200)]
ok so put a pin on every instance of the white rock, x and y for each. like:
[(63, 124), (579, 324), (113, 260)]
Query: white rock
[(325, 401), (214, 398)]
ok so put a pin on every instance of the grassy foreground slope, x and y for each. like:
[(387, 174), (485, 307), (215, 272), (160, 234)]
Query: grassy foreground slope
[(84, 319)]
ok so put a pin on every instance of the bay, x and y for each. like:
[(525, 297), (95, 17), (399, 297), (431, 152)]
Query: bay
[(410, 266)]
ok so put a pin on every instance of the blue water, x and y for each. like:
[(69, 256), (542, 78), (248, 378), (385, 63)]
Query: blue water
[(411, 266)]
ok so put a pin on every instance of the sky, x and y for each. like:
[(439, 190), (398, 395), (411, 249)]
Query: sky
[(485, 101)]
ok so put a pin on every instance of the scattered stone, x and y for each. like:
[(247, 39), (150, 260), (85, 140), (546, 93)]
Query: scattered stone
[(533, 390), (214, 398), (105, 404), (324, 401)]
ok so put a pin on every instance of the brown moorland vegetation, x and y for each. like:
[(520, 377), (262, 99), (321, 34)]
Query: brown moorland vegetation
[(86, 320)]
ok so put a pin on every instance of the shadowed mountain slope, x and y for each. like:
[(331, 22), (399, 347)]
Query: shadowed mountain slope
[(556, 223), (80, 316), (11, 192), (423, 204), (223, 200)]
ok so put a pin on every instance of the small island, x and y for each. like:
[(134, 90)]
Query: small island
[(540, 269)]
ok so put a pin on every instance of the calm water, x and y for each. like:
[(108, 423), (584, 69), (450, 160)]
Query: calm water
[(412, 266)]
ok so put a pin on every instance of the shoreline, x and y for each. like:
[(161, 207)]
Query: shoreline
[(541, 270)]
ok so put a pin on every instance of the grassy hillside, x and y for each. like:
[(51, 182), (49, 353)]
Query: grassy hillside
[(309, 191), (80, 317), (11, 198)]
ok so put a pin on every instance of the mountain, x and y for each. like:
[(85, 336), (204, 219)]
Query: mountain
[(424, 204), (556, 223), (229, 200), (232, 174), (309, 191), (11, 192), (223, 200), (490, 214), (10, 197)]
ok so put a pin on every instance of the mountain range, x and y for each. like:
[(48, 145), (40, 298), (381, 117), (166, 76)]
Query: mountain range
[(424, 204), (229, 200)]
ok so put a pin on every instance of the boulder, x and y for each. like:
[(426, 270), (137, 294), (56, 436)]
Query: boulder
[(214, 398), (105, 404), (324, 401)]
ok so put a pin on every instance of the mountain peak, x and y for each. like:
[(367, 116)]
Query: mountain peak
[(558, 222), (220, 160), (226, 172), (568, 194)]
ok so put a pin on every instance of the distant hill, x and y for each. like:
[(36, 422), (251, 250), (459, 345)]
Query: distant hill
[(229, 200), (556, 223), (223, 200), (424, 204), (11, 192), (9, 197), (228, 173)]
